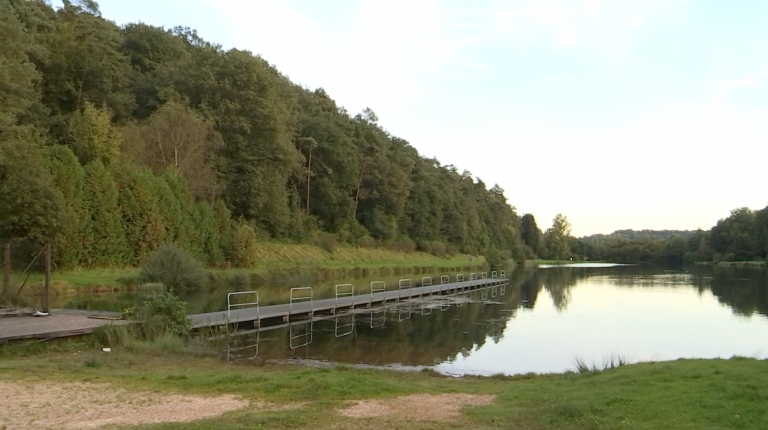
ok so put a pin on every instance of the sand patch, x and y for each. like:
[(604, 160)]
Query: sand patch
[(432, 407), (88, 406)]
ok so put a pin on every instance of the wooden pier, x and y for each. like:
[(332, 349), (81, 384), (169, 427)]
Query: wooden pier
[(307, 308), (60, 323)]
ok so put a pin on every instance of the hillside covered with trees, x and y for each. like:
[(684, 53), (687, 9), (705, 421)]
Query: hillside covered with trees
[(742, 236), (116, 140)]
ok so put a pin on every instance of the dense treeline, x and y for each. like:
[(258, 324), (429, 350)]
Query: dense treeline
[(116, 140), (743, 236)]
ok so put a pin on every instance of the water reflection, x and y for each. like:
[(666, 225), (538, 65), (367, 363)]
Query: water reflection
[(544, 318)]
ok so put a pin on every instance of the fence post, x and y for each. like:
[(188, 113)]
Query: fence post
[(7, 270), (46, 297)]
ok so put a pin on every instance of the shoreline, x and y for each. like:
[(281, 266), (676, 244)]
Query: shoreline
[(700, 391)]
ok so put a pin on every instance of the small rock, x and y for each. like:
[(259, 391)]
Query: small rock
[(106, 349)]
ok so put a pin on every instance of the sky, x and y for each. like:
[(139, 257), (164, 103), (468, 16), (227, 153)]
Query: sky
[(642, 114)]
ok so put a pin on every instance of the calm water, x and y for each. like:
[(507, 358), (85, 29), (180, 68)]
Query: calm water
[(543, 320)]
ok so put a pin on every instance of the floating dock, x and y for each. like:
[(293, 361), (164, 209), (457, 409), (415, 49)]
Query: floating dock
[(303, 305)]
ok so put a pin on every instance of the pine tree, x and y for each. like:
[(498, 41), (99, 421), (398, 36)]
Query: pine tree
[(109, 246), (144, 227), (70, 248)]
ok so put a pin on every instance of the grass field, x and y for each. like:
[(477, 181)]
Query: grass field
[(271, 257), (684, 394)]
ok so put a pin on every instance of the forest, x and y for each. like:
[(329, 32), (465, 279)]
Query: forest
[(742, 236), (116, 140)]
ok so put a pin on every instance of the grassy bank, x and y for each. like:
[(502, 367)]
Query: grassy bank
[(755, 263), (271, 258), (684, 394)]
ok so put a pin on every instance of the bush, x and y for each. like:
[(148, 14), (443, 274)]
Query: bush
[(174, 268), (403, 244), (367, 242), (433, 247), (163, 315), (325, 240), (244, 246), (495, 257)]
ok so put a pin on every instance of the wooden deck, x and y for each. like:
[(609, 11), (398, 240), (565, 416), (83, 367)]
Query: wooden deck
[(307, 308), (58, 324)]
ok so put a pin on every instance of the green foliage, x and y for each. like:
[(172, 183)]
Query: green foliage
[(179, 137), (530, 235), (107, 243), (69, 248), (743, 236), (94, 138), (17, 73), (207, 234), (324, 240), (29, 203), (244, 246), (163, 315), (557, 237), (144, 227), (175, 268)]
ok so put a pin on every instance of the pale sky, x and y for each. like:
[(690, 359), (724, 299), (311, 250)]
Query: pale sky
[(619, 114)]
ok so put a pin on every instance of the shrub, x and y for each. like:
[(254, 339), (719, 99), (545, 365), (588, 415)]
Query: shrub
[(495, 257), (325, 240), (403, 244), (174, 268), (166, 314), (367, 242), (244, 246), (432, 247)]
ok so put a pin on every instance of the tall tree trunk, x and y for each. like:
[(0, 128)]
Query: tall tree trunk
[(309, 175), (359, 186)]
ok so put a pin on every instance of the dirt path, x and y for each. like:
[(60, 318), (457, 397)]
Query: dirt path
[(431, 407), (88, 406)]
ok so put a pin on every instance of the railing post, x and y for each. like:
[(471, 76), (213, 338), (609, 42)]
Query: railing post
[(7, 270)]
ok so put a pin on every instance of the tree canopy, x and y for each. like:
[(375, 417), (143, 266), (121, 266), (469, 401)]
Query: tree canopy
[(116, 140)]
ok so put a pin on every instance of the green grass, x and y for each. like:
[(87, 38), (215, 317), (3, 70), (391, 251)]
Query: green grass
[(684, 394), (272, 257)]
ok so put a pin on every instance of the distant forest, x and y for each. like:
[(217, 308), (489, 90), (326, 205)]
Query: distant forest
[(743, 236), (115, 140)]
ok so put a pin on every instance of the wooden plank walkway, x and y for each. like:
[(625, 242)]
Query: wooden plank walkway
[(51, 326), (306, 308)]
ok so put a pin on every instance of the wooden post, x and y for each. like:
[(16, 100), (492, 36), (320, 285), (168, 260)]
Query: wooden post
[(46, 297), (7, 270)]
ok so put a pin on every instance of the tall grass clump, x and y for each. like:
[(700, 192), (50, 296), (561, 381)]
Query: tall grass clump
[(111, 335), (175, 268), (613, 361)]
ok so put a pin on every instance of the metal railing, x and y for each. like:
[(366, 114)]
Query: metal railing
[(231, 305), (345, 290), (472, 276), (503, 274), (484, 275), (460, 277), (231, 349), (445, 279), (377, 287), (375, 321), (300, 295), (347, 327), (401, 284), (298, 338), (494, 275)]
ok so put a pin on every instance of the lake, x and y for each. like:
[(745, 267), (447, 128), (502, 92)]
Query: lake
[(542, 322)]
